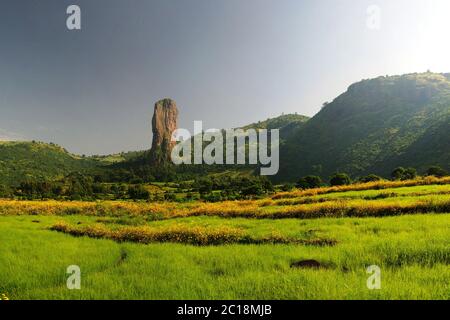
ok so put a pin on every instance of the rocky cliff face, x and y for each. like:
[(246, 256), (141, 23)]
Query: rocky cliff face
[(164, 123)]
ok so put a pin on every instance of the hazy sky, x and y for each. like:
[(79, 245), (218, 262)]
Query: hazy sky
[(226, 62)]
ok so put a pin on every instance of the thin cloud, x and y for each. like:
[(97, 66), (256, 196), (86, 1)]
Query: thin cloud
[(6, 135)]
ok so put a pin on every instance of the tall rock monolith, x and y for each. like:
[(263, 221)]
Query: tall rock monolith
[(164, 123)]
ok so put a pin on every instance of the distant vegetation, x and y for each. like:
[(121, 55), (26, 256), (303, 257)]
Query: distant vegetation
[(76, 186), (388, 127), (209, 187), (20, 161), (279, 122), (374, 127), (380, 198)]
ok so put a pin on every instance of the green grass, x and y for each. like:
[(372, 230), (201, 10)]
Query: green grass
[(412, 251), (380, 194)]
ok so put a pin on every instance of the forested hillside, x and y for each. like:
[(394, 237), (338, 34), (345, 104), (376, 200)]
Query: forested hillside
[(375, 126)]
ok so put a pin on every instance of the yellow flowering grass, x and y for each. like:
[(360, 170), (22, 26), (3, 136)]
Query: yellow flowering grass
[(196, 235), (297, 204), (376, 185)]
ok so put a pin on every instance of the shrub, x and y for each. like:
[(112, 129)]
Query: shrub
[(138, 192), (401, 173), (437, 171), (398, 173), (252, 190), (169, 196), (410, 174), (309, 182), (340, 179), (287, 187), (370, 178), (5, 192)]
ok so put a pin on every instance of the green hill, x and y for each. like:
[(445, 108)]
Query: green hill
[(286, 123), (279, 122), (375, 126), (118, 157), (139, 164), (21, 161)]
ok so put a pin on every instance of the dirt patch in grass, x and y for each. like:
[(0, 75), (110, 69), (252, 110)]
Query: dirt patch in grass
[(309, 264)]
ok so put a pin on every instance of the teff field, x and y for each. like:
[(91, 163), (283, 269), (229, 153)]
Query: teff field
[(313, 244)]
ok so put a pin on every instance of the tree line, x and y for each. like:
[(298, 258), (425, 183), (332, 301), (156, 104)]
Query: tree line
[(77, 186), (211, 188), (339, 179)]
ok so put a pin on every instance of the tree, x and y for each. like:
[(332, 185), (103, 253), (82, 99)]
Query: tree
[(401, 173), (287, 187), (370, 178), (410, 174), (5, 192), (138, 192), (169, 196), (204, 185), (79, 185), (437, 172), (266, 184), (340, 179), (253, 190), (398, 173), (309, 182), (136, 180)]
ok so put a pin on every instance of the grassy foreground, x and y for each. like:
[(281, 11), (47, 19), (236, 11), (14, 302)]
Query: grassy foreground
[(131, 255)]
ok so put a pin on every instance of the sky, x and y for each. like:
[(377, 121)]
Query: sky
[(227, 63)]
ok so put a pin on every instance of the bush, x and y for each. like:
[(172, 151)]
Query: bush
[(437, 171), (309, 182), (398, 173), (252, 190), (370, 178), (170, 196), (5, 192), (242, 186), (340, 179), (287, 187), (410, 174), (203, 185), (401, 173), (138, 192)]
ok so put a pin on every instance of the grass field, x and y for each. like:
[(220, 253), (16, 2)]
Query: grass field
[(233, 250)]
